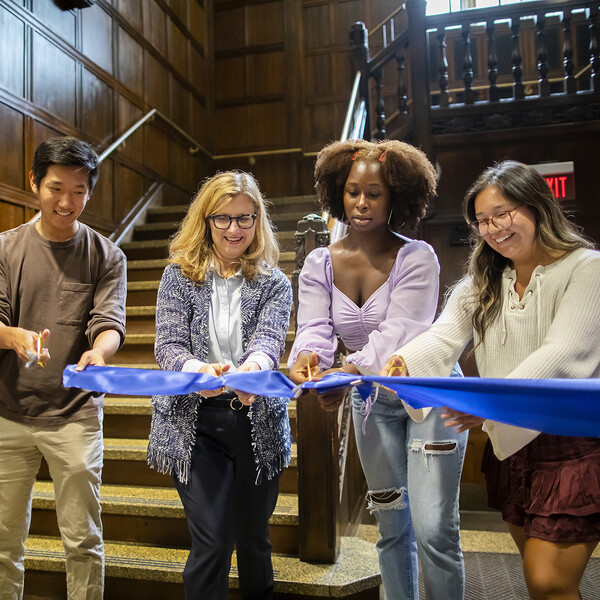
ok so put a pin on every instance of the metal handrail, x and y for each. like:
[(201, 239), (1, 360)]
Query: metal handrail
[(194, 145), (349, 112)]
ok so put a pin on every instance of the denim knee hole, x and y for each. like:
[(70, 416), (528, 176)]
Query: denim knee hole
[(388, 499), (437, 448)]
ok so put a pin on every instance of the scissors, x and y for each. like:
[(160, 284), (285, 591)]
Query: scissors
[(36, 357)]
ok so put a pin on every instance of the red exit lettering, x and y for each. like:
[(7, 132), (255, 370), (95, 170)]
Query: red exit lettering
[(558, 185)]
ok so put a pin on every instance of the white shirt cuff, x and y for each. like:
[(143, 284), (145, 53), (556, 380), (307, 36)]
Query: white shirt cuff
[(193, 365), (262, 360)]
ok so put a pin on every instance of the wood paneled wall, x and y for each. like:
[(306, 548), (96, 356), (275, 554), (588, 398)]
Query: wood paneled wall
[(92, 73), (282, 82)]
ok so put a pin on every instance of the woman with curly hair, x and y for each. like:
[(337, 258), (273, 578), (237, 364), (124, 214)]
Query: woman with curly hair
[(223, 306), (374, 289), (530, 303)]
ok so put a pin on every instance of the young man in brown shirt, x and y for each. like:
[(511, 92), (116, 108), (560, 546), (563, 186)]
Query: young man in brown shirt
[(62, 301)]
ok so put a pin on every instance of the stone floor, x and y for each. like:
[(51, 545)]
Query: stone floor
[(493, 566)]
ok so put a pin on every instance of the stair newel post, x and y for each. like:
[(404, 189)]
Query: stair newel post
[(517, 68), (419, 76), (542, 56), (359, 61), (570, 81), (317, 443)]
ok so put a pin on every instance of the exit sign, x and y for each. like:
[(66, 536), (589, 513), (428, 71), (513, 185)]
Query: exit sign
[(560, 177)]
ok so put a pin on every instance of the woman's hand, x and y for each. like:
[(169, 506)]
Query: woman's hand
[(216, 369), (306, 368), (245, 398), (332, 399), (394, 367), (462, 421)]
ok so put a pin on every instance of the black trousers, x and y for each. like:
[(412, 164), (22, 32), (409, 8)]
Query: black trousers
[(223, 506)]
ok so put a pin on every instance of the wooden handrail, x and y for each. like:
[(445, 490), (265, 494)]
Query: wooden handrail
[(504, 12)]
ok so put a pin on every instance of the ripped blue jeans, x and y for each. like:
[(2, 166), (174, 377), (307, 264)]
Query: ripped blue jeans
[(413, 474)]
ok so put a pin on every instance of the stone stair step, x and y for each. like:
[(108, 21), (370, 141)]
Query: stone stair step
[(158, 214), (138, 571), (141, 311), (287, 241), (305, 204), (140, 346), (154, 515), (146, 270), (129, 416), (125, 464), (140, 339), (142, 293), (283, 367), (151, 231), (140, 319)]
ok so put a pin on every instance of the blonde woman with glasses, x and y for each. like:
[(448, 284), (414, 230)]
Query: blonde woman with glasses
[(223, 306), (530, 303)]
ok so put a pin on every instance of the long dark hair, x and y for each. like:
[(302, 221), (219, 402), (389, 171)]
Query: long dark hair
[(554, 232)]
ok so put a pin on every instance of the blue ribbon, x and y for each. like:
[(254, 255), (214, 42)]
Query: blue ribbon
[(148, 382), (557, 406)]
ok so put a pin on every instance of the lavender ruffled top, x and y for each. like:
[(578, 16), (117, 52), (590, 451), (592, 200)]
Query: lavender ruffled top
[(396, 312)]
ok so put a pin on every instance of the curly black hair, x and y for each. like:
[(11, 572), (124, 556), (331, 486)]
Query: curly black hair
[(406, 171)]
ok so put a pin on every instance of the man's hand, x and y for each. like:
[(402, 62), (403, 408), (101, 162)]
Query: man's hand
[(106, 344), (25, 343)]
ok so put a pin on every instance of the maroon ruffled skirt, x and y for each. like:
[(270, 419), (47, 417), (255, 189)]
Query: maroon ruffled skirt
[(551, 487)]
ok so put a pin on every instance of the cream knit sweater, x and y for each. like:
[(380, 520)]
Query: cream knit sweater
[(553, 331)]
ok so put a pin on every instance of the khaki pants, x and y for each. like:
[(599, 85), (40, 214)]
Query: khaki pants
[(74, 456)]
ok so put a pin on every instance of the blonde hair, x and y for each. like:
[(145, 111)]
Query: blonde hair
[(192, 247)]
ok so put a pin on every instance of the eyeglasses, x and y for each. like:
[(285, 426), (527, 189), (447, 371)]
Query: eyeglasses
[(501, 220), (224, 221)]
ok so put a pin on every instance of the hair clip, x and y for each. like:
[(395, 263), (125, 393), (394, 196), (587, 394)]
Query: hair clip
[(382, 156), (355, 155)]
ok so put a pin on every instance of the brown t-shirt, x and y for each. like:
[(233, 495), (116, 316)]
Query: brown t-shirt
[(76, 289)]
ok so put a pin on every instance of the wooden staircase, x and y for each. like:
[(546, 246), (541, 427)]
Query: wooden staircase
[(145, 531)]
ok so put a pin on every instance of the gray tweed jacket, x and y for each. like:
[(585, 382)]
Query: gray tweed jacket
[(182, 333)]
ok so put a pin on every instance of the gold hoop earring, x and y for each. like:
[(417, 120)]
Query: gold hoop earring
[(390, 217)]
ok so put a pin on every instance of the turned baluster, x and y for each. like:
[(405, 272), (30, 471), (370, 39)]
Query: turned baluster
[(443, 66), (517, 68), (570, 82), (402, 89), (542, 56), (592, 15), (468, 65), (492, 62)]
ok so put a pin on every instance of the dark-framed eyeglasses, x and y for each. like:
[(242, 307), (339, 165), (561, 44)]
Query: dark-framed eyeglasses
[(501, 220), (224, 221)]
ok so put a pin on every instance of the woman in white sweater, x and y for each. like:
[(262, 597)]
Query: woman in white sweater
[(530, 303)]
